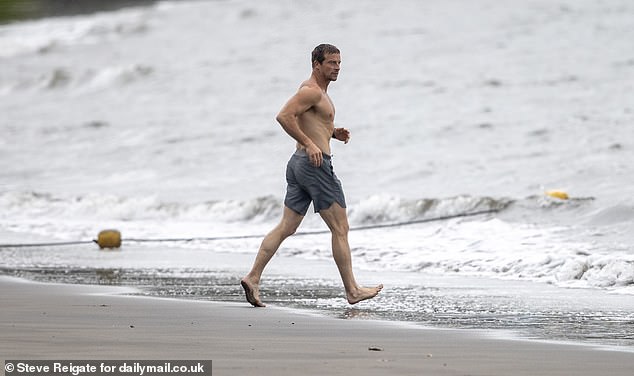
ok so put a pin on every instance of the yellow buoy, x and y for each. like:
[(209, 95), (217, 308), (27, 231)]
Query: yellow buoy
[(557, 194), (109, 239)]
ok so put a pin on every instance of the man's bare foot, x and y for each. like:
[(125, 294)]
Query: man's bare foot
[(363, 293), (252, 291)]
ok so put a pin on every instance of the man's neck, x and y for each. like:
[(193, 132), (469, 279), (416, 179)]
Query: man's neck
[(321, 82)]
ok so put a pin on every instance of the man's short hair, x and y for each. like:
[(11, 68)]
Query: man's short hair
[(320, 52)]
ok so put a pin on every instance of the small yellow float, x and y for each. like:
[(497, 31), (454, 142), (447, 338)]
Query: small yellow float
[(109, 239), (556, 193)]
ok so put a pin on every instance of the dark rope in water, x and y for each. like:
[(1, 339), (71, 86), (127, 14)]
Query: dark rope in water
[(237, 237)]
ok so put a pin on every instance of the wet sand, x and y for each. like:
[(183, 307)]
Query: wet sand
[(49, 321)]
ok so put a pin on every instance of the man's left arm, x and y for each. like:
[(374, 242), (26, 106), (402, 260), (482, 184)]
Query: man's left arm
[(341, 134)]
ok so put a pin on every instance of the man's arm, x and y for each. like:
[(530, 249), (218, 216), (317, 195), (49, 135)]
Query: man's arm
[(302, 101), (341, 134)]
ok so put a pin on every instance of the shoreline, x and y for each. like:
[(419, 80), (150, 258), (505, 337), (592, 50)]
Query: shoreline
[(41, 320), (444, 302)]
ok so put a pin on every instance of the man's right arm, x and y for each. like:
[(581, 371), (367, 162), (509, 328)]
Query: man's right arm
[(302, 101)]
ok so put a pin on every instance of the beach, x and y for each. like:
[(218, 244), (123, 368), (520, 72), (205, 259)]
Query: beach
[(61, 321), (52, 321)]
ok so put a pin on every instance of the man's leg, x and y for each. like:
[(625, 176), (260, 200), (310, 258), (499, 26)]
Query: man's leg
[(270, 244), (337, 220)]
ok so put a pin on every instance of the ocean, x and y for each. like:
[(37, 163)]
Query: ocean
[(159, 121)]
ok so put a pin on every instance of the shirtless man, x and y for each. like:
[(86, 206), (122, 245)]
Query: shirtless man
[(308, 117)]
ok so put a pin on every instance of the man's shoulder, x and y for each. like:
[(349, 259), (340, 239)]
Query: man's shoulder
[(310, 91), (309, 85)]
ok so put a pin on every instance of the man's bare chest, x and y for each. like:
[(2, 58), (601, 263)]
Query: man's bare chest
[(325, 109)]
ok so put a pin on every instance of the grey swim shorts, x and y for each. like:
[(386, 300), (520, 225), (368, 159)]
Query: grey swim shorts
[(306, 183)]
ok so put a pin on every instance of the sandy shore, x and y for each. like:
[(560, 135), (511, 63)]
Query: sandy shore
[(44, 321)]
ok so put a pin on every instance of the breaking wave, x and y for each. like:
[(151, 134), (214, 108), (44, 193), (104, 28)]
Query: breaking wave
[(95, 206), (372, 210), (82, 81), (48, 35)]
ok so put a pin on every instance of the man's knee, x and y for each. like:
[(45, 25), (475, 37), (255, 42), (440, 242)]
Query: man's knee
[(340, 229), (336, 219), (290, 222), (287, 229)]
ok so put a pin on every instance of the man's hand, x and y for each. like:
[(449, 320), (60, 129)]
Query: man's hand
[(314, 155), (342, 134)]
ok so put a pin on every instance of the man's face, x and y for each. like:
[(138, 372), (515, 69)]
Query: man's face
[(331, 66)]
